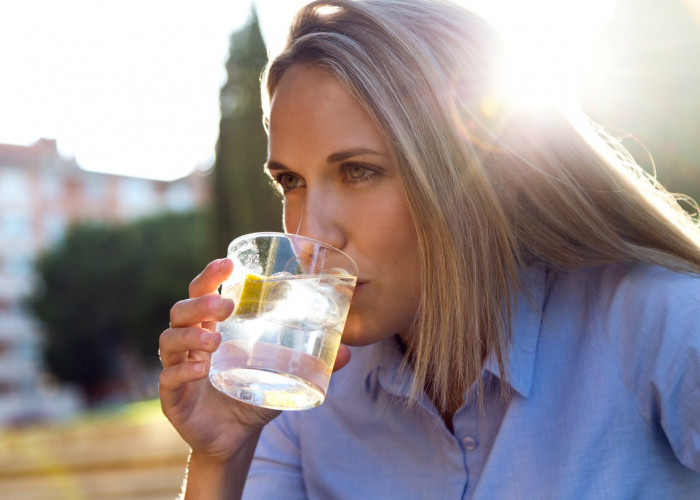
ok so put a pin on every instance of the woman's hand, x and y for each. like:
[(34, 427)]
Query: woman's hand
[(209, 421), (221, 431), (213, 424)]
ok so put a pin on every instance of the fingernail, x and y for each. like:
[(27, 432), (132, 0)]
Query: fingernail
[(198, 367), (206, 338)]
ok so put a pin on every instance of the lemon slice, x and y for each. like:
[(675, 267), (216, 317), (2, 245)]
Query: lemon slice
[(252, 295)]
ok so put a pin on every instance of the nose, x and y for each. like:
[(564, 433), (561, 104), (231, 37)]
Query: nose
[(320, 216)]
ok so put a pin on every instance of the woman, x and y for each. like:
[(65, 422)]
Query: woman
[(525, 321)]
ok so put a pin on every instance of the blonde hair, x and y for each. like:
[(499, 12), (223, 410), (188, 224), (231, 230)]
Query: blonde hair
[(489, 188)]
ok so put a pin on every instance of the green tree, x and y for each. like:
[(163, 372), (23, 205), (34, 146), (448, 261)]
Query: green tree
[(244, 201), (167, 252), (106, 293)]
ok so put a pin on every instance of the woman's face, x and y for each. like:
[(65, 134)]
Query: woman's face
[(341, 187)]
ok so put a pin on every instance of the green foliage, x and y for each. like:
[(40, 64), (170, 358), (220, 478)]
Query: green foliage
[(244, 201), (107, 291)]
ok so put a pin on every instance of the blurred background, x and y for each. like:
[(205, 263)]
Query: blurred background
[(131, 153)]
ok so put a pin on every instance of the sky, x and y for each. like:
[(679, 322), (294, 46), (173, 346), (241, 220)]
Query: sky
[(132, 86)]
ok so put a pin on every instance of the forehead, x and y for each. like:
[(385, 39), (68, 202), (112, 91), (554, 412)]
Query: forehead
[(310, 109)]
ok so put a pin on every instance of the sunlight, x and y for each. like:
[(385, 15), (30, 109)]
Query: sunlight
[(549, 43), (125, 87)]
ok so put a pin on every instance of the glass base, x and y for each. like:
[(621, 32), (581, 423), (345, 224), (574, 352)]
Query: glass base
[(266, 388)]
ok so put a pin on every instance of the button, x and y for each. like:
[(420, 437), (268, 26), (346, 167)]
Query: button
[(469, 443)]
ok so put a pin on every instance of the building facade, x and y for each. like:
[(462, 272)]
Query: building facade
[(41, 195)]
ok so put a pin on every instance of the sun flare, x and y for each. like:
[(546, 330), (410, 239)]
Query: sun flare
[(548, 45)]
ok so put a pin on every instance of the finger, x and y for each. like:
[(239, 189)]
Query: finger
[(174, 377), (342, 358), (194, 311), (209, 325), (178, 345), (211, 277)]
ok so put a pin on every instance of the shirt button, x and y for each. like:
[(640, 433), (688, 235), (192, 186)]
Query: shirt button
[(469, 443)]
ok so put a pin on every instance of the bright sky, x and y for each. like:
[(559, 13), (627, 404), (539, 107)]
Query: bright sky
[(132, 86)]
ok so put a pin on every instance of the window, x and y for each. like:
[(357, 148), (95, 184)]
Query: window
[(19, 265), (14, 186), (55, 224), (179, 198), (137, 197), (95, 188), (15, 225)]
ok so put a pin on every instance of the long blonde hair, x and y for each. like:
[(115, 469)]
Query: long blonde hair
[(489, 188)]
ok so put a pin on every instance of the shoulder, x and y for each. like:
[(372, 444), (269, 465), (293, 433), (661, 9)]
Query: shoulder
[(654, 299), (642, 321), (632, 292), (639, 310), (638, 280), (650, 308)]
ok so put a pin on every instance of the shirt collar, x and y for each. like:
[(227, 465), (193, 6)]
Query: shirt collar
[(385, 357), (384, 368), (527, 321)]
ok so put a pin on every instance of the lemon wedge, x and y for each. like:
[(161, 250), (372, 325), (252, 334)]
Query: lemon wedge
[(252, 295)]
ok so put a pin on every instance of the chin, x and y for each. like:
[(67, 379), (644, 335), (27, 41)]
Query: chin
[(355, 340), (356, 334)]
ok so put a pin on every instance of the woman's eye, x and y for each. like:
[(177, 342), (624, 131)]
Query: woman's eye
[(356, 172), (288, 181)]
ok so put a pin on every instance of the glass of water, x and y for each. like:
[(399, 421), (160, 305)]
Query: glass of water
[(292, 295)]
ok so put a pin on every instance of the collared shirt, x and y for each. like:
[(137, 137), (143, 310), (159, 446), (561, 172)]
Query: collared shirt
[(605, 372)]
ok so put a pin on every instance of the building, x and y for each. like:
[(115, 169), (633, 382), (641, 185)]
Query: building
[(41, 195)]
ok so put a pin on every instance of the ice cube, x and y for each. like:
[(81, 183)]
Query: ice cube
[(275, 290), (324, 307)]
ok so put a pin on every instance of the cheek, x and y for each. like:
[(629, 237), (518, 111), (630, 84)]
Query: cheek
[(391, 239), (399, 234), (400, 249), (389, 304)]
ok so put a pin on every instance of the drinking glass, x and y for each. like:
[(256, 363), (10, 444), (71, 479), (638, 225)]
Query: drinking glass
[(292, 295)]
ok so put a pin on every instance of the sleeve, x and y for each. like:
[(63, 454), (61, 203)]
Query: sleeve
[(276, 472), (655, 314)]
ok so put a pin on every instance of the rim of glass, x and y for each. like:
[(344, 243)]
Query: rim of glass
[(278, 234)]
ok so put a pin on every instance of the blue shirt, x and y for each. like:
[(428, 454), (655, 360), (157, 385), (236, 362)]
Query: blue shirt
[(605, 369)]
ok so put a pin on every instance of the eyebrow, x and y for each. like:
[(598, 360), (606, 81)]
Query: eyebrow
[(336, 157), (274, 165), (350, 153)]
